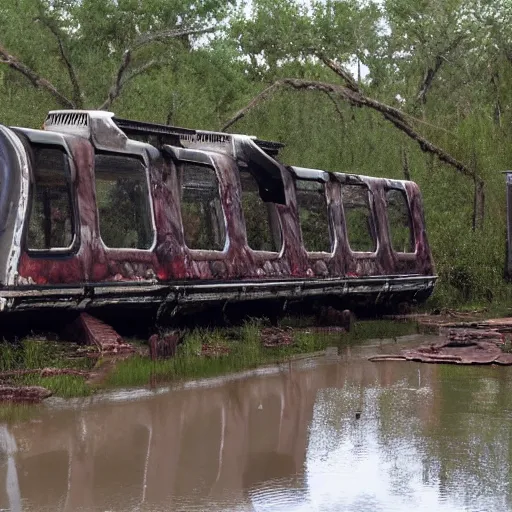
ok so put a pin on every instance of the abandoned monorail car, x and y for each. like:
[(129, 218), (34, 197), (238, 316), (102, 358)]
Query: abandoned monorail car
[(99, 211)]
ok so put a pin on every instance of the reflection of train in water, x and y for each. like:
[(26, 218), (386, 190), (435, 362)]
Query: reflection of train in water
[(98, 211)]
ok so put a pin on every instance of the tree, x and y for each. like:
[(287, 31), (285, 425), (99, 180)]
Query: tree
[(86, 43)]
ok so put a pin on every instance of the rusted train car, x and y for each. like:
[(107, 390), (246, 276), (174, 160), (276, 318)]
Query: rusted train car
[(102, 212)]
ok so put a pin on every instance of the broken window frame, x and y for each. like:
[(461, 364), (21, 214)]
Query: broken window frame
[(412, 237), (273, 218), (202, 254), (374, 234), (331, 230), (145, 171), (74, 245)]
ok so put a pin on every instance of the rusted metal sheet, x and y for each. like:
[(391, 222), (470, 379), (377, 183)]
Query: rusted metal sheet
[(90, 274)]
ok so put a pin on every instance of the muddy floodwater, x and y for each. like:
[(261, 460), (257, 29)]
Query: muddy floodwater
[(333, 433)]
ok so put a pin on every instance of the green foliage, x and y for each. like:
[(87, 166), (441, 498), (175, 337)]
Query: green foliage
[(28, 354)]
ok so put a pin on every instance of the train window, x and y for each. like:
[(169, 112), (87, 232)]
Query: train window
[(313, 216), (358, 218), (261, 220), (51, 224), (201, 208), (124, 206), (399, 218)]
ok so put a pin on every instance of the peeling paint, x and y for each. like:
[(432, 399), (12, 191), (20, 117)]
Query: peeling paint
[(169, 263)]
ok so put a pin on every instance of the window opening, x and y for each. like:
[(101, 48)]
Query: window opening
[(400, 228), (313, 216), (201, 209), (358, 218), (124, 205), (51, 224), (261, 221)]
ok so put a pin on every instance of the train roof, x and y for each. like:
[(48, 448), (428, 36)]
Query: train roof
[(107, 131)]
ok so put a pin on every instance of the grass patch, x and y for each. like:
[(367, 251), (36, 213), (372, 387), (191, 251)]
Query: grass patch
[(35, 353), (65, 386), (245, 351), (38, 352), (382, 329), (227, 350)]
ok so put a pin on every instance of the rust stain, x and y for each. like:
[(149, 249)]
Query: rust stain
[(170, 260)]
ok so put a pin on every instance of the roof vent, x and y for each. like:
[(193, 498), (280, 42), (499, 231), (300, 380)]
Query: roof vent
[(72, 121), (95, 125)]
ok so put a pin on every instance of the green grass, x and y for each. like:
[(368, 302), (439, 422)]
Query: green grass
[(65, 386), (245, 352), (242, 345), (37, 352)]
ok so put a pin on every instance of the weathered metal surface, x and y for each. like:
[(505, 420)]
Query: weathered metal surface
[(93, 275), (478, 342), (453, 352)]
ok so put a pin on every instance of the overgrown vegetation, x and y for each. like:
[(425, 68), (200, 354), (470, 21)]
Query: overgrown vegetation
[(203, 353), (242, 348), (446, 64), (40, 353)]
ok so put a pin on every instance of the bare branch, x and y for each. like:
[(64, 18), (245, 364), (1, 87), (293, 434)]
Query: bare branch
[(116, 88), (139, 71), (428, 79), (358, 99), (340, 71), (150, 37), (260, 98), (36, 80), (77, 93), (431, 71), (121, 80), (336, 107)]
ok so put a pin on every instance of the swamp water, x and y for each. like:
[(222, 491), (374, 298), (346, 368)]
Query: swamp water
[(282, 438)]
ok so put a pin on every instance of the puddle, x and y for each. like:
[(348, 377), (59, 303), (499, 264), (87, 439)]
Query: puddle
[(280, 438)]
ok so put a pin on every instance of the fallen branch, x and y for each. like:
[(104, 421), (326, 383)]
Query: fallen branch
[(36, 80), (340, 71), (357, 98), (30, 394), (44, 372), (402, 124)]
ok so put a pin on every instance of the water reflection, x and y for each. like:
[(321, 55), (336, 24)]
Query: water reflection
[(428, 438)]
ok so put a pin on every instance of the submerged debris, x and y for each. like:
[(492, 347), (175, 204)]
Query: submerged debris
[(478, 342), (453, 352)]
